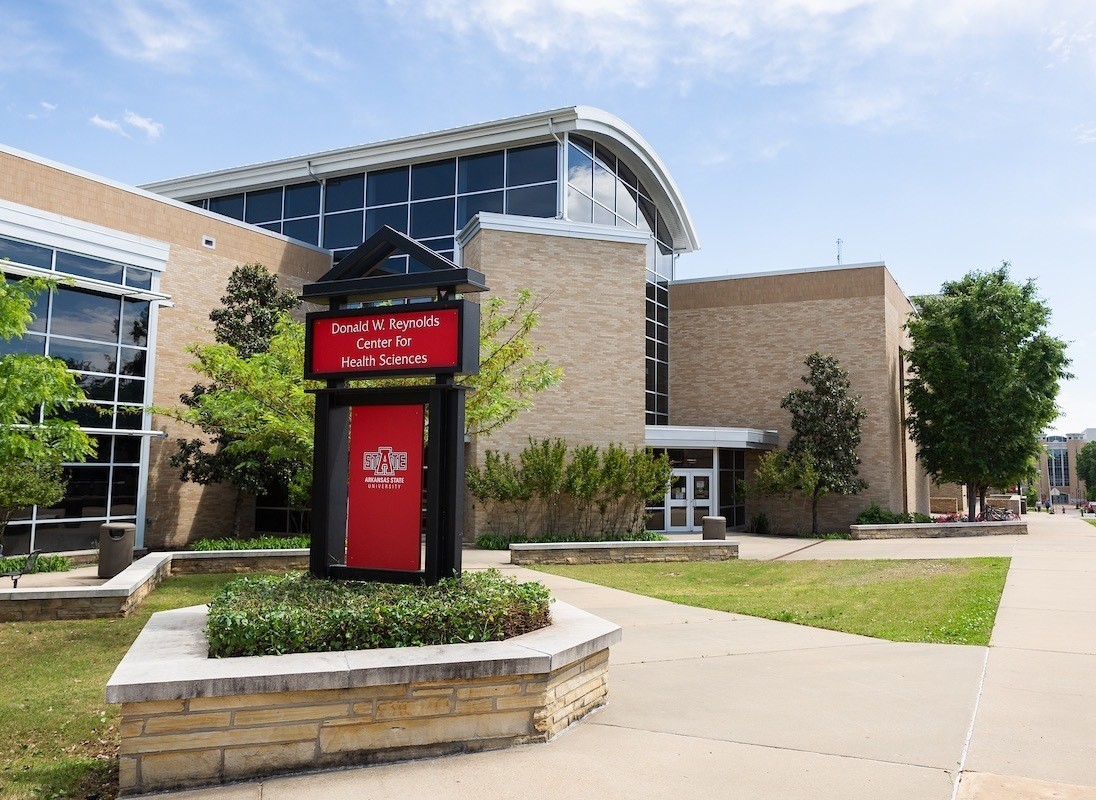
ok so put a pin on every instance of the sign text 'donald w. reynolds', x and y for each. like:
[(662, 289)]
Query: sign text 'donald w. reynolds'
[(398, 341)]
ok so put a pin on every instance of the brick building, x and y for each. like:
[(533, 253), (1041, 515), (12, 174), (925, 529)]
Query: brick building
[(571, 204)]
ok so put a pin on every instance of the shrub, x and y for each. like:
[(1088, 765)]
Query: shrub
[(298, 614), (258, 543), (496, 541), (921, 518), (759, 523), (877, 515), (45, 563)]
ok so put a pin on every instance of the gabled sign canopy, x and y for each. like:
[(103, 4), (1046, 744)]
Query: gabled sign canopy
[(363, 275)]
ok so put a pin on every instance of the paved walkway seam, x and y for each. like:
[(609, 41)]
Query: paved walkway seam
[(970, 730)]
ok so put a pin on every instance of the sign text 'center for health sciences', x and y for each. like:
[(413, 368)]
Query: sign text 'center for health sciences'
[(401, 340)]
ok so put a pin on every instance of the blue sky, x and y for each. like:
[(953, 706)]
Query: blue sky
[(938, 135)]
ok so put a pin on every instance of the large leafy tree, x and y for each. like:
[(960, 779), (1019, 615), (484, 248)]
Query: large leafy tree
[(984, 376), (246, 321), (262, 405), (821, 453), (32, 449), (1086, 469)]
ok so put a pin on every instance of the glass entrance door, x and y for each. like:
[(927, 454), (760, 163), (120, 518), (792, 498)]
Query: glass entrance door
[(689, 500)]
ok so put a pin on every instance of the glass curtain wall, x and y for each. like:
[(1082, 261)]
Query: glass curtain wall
[(433, 201), (103, 338)]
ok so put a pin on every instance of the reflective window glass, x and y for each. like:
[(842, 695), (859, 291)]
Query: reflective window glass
[(627, 200), (276, 227), (478, 173), (102, 449), (84, 266), (580, 170), (471, 204), (135, 322), (97, 387), (86, 495), (22, 253), (393, 216), (264, 205), (438, 245), (84, 314), (133, 362), (127, 449), (435, 179), (531, 164), (582, 142), (627, 175), (604, 185), (603, 216), (344, 193), (580, 208), (646, 214), (662, 232), (342, 230), (228, 206), (23, 345), (432, 218), (84, 356), (387, 186), (38, 311), (131, 391), (302, 200), (138, 278), (532, 201), (129, 418), (123, 491), (303, 230), (87, 415)]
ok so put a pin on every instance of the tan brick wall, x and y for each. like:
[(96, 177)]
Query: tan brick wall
[(204, 741), (737, 346), (592, 322), (195, 278), (649, 552)]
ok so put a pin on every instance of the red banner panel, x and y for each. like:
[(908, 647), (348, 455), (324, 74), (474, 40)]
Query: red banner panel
[(384, 497), (399, 341)]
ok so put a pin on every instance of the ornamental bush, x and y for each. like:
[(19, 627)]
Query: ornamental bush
[(498, 541), (296, 613), (45, 563), (258, 543)]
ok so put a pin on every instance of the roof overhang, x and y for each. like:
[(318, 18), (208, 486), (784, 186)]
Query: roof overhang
[(689, 436), (632, 148)]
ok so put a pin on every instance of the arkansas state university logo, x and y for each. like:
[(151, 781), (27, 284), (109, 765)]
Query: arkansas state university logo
[(384, 463)]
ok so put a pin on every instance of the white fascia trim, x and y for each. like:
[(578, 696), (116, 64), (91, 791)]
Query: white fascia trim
[(699, 437), (805, 270), (547, 226), (159, 198), (77, 236), (541, 127), (360, 158)]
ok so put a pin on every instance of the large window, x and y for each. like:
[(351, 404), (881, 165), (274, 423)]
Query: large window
[(103, 338), (1058, 467)]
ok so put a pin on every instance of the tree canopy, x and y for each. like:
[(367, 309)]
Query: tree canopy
[(983, 380), (1086, 469), (32, 447), (821, 455)]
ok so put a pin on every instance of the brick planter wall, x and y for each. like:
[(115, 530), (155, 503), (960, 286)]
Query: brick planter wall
[(188, 720), (621, 552), (938, 530)]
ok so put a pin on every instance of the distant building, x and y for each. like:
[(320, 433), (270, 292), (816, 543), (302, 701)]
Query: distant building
[(1058, 478)]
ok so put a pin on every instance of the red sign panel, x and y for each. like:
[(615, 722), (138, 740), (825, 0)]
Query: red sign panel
[(384, 513), (397, 341)]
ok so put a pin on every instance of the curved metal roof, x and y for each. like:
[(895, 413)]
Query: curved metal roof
[(600, 125)]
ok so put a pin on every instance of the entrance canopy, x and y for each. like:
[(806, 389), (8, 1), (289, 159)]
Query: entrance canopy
[(689, 436)]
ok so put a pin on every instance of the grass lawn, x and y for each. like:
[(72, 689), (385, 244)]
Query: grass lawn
[(58, 738), (948, 601), (1091, 521)]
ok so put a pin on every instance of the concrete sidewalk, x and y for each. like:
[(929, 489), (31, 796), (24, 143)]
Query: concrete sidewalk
[(705, 704)]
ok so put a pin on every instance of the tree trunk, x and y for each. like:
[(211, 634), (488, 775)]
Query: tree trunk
[(972, 501), (982, 497), (236, 515), (814, 514)]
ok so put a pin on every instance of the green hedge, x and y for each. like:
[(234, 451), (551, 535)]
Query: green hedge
[(298, 614), (877, 515), (495, 541), (45, 563), (258, 543)]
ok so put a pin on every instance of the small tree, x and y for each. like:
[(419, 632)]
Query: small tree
[(32, 449), (246, 321), (1086, 469), (821, 456), (984, 380)]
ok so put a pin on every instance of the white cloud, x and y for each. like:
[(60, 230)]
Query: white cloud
[(165, 33), (291, 41), (48, 106), (109, 125), (151, 129), (1084, 134)]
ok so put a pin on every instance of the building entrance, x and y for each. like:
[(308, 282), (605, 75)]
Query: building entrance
[(689, 500)]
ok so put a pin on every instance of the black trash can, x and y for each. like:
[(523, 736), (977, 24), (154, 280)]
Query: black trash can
[(115, 547)]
